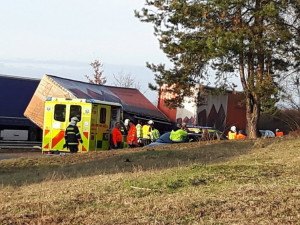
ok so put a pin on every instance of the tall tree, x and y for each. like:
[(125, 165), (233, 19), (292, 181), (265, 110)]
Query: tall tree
[(98, 77), (258, 40)]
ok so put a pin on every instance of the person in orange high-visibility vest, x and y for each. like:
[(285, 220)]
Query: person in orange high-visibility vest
[(132, 135), (232, 133), (278, 132), (116, 136), (240, 135)]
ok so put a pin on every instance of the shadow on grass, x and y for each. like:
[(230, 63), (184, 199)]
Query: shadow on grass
[(148, 159)]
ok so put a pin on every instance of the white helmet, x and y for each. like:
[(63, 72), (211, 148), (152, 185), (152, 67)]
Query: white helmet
[(233, 128), (150, 122), (126, 122), (74, 119)]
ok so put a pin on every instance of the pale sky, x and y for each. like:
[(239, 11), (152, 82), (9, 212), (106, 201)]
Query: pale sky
[(62, 37)]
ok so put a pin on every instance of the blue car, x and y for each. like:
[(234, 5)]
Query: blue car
[(162, 140)]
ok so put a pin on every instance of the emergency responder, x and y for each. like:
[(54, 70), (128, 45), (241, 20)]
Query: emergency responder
[(232, 133), (116, 136), (178, 134), (147, 128), (240, 135), (154, 134), (131, 136), (72, 136), (278, 132), (139, 129), (139, 132)]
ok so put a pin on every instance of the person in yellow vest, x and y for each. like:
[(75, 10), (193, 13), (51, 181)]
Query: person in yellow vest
[(139, 133), (240, 135), (154, 135), (178, 134), (232, 133), (147, 129), (139, 129)]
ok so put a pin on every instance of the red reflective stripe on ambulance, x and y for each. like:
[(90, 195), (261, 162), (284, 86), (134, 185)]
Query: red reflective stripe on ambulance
[(46, 146), (83, 149), (58, 138), (46, 132), (86, 134)]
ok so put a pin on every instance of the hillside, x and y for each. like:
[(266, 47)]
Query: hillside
[(228, 182)]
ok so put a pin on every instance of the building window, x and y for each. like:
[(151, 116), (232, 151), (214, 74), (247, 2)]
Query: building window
[(102, 115), (60, 112), (75, 110)]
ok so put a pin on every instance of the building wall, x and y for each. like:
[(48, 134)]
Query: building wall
[(187, 113), (218, 111), (236, 111), (170, 113), (212, 111)]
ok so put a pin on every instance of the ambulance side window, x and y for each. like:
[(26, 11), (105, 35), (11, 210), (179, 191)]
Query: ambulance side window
[(60, 112), (75, 110), (102, 118)]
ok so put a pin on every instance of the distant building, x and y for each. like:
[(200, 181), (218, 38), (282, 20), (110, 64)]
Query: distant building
[(15, 94), (135, 104), (218, 111)]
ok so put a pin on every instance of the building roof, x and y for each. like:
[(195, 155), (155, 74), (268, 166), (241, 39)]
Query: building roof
[(15, 94), (132, 100)]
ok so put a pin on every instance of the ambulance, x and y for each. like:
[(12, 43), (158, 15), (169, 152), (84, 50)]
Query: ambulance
[(96, 120)]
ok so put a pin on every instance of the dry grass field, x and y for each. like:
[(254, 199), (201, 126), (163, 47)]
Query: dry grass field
[(227, 182)]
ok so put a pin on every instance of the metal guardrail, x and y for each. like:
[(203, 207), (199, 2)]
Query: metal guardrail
[(20, 146)]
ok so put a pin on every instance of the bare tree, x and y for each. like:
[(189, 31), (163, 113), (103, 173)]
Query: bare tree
[(98, 77), (125, 80), (290, 87)]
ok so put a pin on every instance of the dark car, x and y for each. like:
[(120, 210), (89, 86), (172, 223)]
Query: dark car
[(192, 137)]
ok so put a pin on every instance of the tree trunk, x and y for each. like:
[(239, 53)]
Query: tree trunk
[(252, 115)]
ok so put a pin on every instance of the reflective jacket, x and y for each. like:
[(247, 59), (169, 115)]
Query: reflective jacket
[(154, 135), (139, 130), (116, 136), (178, 135), (279, 133), (72, 135), (240, 136), (231, 135), (146, 131), (131, 137)]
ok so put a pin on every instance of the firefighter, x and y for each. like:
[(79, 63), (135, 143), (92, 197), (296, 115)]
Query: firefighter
[(132, 135), (232, 133), (72, 136), (117, 136)]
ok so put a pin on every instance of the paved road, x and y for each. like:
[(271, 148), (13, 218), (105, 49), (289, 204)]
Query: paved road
[(4, 156)]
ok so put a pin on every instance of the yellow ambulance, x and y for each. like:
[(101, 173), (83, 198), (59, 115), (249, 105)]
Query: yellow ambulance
[(96, 120)]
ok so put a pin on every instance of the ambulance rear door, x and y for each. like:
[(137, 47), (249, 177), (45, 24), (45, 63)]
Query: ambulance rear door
[(54, 126), (102, 127)]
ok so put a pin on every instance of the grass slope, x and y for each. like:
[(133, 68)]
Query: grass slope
[(229, 182)]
